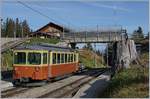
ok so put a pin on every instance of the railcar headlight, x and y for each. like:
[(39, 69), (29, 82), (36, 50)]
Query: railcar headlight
[(16, 69)]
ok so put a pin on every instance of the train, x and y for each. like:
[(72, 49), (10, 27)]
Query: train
[(43, 62)]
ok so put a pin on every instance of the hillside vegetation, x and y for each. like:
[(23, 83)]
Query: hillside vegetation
[(129, 83), (132, 82), (88, 57), (35, 40)]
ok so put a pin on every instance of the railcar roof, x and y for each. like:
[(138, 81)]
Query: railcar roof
[(44, 47)]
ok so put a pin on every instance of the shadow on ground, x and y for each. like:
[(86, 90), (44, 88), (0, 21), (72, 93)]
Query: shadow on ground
[(7, 75)]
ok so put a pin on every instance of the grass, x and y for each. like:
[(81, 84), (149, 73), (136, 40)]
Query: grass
[(40, 40), (144, 58), (87, 58), (130, 83), (7, 60)]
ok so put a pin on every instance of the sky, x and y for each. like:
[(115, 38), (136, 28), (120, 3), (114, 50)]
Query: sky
[(80, 14)]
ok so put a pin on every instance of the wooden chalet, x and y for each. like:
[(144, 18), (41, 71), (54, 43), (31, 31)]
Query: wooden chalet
[(50, 30)]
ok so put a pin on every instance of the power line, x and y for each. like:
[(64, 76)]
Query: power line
[(25, 5), (56, 15)]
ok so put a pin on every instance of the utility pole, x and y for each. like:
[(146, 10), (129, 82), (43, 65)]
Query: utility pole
[(102, 56), (95, 55), (63, 33), (97, 28), (22, 31), (107, 55), (97, 33), (1, 25)]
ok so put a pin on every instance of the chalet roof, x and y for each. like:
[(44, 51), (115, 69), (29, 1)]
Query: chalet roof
[(59, 27)]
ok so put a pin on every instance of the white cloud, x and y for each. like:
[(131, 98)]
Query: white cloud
[(113, 7)]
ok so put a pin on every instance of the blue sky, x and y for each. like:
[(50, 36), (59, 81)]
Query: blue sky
[(81, 14)]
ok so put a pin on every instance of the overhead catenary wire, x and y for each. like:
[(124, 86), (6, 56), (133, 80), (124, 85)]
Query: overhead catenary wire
[(40, 13), (46, 16), (56, 15)]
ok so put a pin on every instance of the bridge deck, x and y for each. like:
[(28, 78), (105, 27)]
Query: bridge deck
[(93, 37)]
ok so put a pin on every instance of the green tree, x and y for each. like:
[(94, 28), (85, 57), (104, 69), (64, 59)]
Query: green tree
[(6, 27), (18, 28), (11, 28), (26, 29), (147, 35), (138, 34), (2, 28)]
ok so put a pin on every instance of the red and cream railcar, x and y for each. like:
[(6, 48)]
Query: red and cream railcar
[(43, 62)]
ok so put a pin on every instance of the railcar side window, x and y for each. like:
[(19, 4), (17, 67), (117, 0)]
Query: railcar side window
[(34, 58), (44, 58), (20, 58), (62, 58), (71, 57), (58, 58), (74, 57), (54, 58), (66, 58)]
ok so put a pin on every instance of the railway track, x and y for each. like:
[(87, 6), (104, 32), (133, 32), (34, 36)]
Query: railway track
[(11, 92), (68, 90), (13, 44)]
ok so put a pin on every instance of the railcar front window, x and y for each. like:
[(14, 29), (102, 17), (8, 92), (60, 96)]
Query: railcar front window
[(34, 58), (20, 58)]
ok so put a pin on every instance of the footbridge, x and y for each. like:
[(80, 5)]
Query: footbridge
[(123, 49), (100, 36)]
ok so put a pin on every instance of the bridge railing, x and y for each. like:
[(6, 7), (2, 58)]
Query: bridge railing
[(94, 36)]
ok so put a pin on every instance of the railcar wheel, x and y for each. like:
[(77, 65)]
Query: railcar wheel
[(35, 84), (16, 82)]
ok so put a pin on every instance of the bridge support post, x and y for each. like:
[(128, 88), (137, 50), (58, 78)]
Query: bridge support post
[(73, 45), (114, 58)]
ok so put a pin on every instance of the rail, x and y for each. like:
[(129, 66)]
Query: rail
[(70, 89), (64, 89), (12, 44)]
